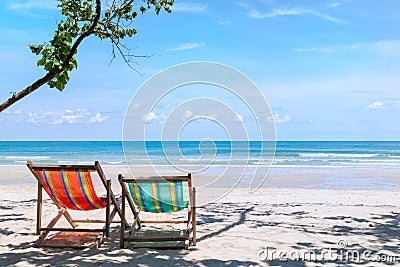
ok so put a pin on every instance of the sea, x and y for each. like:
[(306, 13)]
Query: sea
[(289, 154)]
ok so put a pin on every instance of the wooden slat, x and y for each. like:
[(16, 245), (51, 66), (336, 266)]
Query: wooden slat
[(48, 229), (159, 247), (96, 221), (61, 166), (76, 244), (156, 239), (163, 221), (94, 244), (157, 178)]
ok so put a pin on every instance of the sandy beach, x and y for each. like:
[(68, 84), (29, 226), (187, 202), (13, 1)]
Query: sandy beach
[(285, 113), (277, 226)]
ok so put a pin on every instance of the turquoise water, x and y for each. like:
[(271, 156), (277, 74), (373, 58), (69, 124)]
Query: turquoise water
[(288, 154)]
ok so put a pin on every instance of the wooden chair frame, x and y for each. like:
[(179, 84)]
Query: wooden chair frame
[(44, 231), (137, 223)]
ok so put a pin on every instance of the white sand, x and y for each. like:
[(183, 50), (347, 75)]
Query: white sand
[(232, 232)]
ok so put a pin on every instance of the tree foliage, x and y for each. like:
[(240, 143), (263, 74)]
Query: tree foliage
[(81, 20)]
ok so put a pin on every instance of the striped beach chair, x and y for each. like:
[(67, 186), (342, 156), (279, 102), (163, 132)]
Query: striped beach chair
[(164, 194), (70, 187)]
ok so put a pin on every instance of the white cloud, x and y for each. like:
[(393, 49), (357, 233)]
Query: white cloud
[(238, 118), (58, 117), (376, 105), (224, 22), (327, 17), (382, 47), (150, 117), (294, 12), (16, 112), (333, 5), (387, 47), (211, 117), (34, 117), (34, 4), (186, 46), (189, 7), (274, 13), (317, 49), (243, 4), (98, 118), (188, 114), (136, 106), (284, 119)]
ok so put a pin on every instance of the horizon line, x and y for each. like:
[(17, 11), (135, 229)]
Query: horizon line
[(217, 140)]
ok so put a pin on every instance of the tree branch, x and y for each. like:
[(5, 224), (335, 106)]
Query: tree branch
[(122, 8), (52, 74), (106, 34), (83, 19)]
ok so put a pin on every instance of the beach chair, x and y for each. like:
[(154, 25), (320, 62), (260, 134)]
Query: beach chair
[(71, 188), (163, 194)]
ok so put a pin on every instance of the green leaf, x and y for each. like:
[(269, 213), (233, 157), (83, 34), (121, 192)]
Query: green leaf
[(41, 62), (68, 37), (35, 49), (60, 85), (78, 16)]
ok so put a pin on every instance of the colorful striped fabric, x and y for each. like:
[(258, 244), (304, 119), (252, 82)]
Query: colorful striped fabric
[(158, 196), (71, 189)]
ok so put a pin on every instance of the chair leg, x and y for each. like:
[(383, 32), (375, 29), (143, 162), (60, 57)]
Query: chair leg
[(115, 211), (69, 219), (39, 210), (194, 217), (51, 225), (122, 231), (108, 208), (127, 198), (135, 222)]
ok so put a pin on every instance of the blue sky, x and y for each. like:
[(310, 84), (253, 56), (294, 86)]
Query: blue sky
[(330, 70)]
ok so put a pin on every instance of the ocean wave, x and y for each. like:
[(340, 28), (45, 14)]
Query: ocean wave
[(64, 162), (337, 155), (85, 162), (188, 159), (24, 157), (114, 162), (336, 166)]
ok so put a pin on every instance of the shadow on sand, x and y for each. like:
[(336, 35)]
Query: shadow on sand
[(221, 217)]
